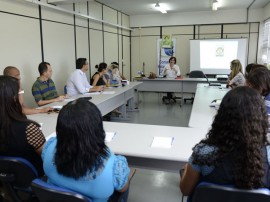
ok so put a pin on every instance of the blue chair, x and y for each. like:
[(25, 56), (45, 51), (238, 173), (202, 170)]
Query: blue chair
[(51, 193), (16, 175), (209, 192)]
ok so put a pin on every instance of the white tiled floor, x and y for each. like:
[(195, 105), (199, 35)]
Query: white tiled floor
[(150, 185)]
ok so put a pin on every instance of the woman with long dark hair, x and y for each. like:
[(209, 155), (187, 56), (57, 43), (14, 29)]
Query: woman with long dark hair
[(99, 78), (19, 136), (235, 150), (78, 158)]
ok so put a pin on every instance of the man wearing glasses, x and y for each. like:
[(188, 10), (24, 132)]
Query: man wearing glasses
[(15, 72)]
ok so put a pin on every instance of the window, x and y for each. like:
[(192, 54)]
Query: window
[(266, 44)]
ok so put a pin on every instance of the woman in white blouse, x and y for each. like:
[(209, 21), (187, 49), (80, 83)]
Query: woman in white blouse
[(236, 77)]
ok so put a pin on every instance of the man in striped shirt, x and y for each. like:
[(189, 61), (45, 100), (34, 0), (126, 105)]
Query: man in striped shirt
[(43, 89), (15, 72)]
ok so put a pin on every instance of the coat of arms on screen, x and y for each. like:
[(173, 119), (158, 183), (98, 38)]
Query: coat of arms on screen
[(220, 51)]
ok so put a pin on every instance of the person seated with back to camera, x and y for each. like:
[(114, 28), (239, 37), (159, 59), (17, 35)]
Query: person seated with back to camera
[(236, 77), (78, 158), (259, 79), (252, 66), (19, 136), (15, 72), (171, 71), (99, 79), (235, 150)]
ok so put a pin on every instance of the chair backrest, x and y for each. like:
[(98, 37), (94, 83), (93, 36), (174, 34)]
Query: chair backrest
[(16, 174), (22, 170), (209, 192), (51, 193), (196, 74)]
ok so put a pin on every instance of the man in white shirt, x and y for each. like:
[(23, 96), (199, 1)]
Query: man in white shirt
[(77, 82)]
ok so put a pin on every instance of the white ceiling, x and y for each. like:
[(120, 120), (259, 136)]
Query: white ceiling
[(142, 7)]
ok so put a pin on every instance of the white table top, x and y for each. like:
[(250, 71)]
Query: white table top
[(136, 139), (202, 114), (105, 102)]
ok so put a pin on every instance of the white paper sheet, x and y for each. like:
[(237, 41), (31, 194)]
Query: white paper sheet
[(162, 142), (109, 136)]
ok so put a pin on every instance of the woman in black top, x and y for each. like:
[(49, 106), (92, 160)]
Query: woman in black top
[(99, 78), (19, 136)]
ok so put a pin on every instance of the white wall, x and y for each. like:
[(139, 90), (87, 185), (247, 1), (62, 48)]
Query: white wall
[(144, 42), (190, 18), (266, 11), (63, 40)]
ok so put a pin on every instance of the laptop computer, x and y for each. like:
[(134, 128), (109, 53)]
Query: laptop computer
[(211, 84)]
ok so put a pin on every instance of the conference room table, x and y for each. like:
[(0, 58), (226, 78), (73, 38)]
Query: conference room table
[(110, 99), (135, 140), (202, 114), (178, 85)]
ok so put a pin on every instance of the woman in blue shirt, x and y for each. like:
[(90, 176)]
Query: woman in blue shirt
[(78, 159), (235, 150)]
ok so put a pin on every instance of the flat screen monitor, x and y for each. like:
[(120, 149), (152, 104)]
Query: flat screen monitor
[(213, 56)]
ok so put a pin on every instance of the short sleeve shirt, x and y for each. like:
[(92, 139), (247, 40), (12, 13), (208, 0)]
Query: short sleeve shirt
[(44, 90)]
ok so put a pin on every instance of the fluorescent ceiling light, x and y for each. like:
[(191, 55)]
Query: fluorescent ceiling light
[(215, 5), (160, 8)]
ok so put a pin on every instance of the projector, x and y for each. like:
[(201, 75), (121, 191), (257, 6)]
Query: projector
[(222, 77)]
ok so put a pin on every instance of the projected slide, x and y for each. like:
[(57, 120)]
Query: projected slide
[(217, 54), (213, 56)]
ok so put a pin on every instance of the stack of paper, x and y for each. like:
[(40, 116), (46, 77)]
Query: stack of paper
[(162, 142), (57, 107), (109, 136), (108, 92)]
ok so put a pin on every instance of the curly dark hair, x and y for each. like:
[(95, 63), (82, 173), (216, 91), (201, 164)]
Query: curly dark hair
[(80, 144), (259, 79), (240, 127)]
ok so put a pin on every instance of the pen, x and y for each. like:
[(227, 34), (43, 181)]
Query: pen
[(172, 140)]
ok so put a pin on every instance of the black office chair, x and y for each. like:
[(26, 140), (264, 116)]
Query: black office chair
[(169, 97), (52, 193), (16, 175), (194, 74), (209, 192)]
